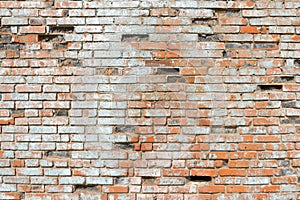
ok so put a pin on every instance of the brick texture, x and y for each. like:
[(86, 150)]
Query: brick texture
[(150, 100)]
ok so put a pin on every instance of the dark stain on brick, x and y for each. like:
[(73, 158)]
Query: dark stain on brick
[(265, 46), (63, 154), (61, 29), (283, 163), (269, 87), (175, 79), (284, 172), (237, 46), (107, 71), (135, 37), (168, 71), (199, 178), (37, 22), (48, 38), (5, 38)]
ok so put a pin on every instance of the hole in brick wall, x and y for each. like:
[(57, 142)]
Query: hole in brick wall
[(168, 71), (135, 37), (61, 29), (290, 104), (22, 195), (124, 129), (269, 87), (297, 62), (69, 62), (12, 46), (291, 120), (63, 154), (207, 38), (86, 187), (60, 46), (61, 112), (48, 38), (283, 79), (148, 180), (199, 178), (125, 146)]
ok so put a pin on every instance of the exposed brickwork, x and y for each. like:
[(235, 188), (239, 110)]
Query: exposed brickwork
[(150, 100)]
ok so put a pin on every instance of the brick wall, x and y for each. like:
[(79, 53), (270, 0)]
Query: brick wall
[(150, 100)]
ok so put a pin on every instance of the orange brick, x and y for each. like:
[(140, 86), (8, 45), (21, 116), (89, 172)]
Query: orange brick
[(232, 172)]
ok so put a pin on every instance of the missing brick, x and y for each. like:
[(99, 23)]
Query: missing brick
[(124, 146), (69, 63), (61, 112), (124, 129), (290, 121), (134, 37), (12, 46), (61, 29), (199, 179), (283, 79), (58, 154), (297, 62), (148, 180), (208, 37), (60, 46), (290, 104), (49, 38), (269, 87), (86, 187), (168, 71)]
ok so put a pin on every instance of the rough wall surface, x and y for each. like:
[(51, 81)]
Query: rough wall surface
[(150, 100)]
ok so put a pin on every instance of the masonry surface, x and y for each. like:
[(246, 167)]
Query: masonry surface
[(150, 100)]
